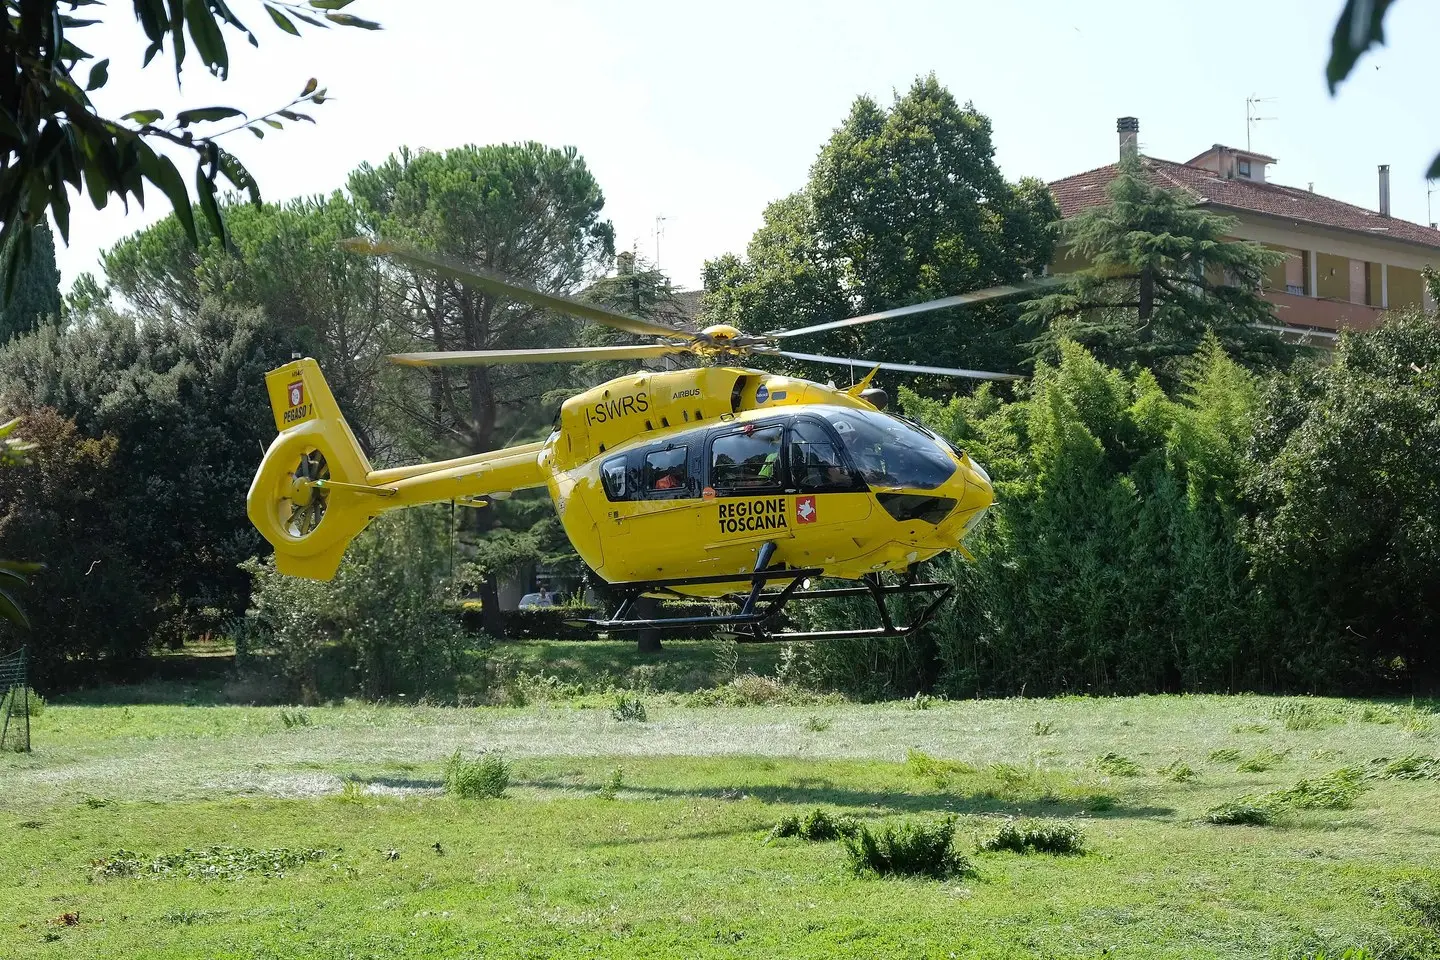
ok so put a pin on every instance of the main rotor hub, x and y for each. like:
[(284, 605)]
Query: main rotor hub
[(720, 333)]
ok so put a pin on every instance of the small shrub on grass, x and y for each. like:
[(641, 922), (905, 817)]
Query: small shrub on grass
[(910, 849), (1043, 728), (1115, 765), (817, 724), (351, 792), (1262, 761), (817, 826), (1334, 791), (1245, 811), (294, 718), (940, 773), (1412, 767), (613, 783), (1307, 714), (485, 778), (1224, 755), (628, 707), (1040, 836), (1179, 771)]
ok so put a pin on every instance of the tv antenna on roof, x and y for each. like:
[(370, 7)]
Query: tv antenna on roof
[(659, 232), (1252, 109)]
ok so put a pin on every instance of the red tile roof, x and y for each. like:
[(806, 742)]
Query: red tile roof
[(1087, 189)]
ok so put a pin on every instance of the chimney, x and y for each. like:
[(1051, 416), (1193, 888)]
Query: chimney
[(1129, 130), (1384, 189), (624, 263)]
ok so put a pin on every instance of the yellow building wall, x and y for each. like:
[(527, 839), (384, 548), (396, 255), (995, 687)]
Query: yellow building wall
[(1067, 261), (1332, 276), (1407, 288), (1275, 273)]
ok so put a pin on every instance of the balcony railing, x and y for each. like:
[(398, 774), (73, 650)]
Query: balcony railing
[(1319, 313)]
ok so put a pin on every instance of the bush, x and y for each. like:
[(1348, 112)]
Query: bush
[(1246, 811), (1037, 835), (817, 826), (387, 613), (628, 707), (910, 849), (1115, 765), (483, 779), (1334, 791)]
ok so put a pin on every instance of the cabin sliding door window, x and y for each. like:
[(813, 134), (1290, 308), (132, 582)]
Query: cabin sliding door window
[(747, 463)]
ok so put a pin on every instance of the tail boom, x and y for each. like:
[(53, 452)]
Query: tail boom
[(315, 489)]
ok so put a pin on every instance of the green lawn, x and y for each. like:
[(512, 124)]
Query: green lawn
[(675, 865)]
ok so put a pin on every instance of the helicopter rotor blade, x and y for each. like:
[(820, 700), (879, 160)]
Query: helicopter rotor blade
[(902, 367), (484, 358), (492, 282), (944, 303)]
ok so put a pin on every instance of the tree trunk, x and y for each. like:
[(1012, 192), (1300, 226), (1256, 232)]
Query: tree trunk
[(1147, 300)]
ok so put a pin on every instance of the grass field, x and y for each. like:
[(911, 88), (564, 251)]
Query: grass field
[(647, 839)]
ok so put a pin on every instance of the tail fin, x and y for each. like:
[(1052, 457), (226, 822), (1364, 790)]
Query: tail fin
[(309, 523)]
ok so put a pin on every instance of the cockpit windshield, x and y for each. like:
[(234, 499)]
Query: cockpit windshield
[(890, 452)]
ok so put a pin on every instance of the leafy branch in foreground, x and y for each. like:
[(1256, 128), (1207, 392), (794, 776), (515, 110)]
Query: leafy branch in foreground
[(52, 137)]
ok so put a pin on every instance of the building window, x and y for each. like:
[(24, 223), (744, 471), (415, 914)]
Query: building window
[(815, 462), (1243, 166)]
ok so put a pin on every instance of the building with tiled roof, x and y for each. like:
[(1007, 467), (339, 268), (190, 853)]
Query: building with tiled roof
[(1346, 264)]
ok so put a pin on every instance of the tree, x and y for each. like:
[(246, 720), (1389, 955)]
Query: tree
[(1347, 535), (284, 259), (526, 210), (136, 496), (52, 138), (902, 205), (1162, 277), (36, 294)]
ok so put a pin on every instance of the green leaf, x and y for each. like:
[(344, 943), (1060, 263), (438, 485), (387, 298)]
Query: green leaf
[(1359, 27), (205, 115), (330, 4), (310, 86), (282, 21), (160, 171), (205, 191), (271, 121), (209, 42), (144, 116), (259, 134), (236, 173), (292, 115), (99, 74), (346, 20), (21, 566)]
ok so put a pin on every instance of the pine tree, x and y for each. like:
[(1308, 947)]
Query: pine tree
[(1162, 275), (36, 294)]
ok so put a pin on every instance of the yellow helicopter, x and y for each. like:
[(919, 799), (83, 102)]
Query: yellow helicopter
[(715, 481)]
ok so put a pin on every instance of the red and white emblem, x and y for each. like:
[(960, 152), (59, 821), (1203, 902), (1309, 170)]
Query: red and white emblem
[(297, 393), (805, 509)]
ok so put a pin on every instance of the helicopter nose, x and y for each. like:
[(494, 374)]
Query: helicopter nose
[(976, 499)]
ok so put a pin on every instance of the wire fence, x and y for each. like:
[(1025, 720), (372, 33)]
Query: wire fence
[(16, 703)]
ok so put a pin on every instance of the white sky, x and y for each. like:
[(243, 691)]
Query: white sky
[(705, 113)]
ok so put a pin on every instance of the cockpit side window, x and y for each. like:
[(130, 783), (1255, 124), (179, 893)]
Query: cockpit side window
[(889, 452), (816, 463), (615, 478), (747, 462)]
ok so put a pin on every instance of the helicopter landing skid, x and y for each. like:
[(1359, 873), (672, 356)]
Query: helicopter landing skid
[(760, 606)]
